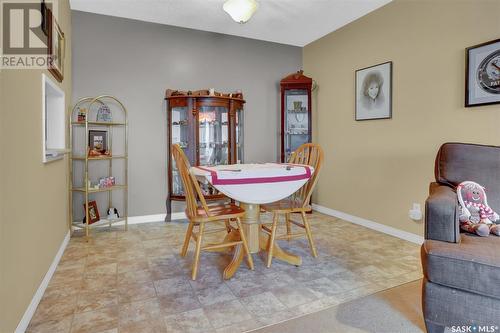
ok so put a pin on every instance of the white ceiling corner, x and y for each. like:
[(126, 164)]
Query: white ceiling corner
[(292, 22)]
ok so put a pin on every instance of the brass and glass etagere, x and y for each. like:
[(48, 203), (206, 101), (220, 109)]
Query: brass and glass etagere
[(113, 164)]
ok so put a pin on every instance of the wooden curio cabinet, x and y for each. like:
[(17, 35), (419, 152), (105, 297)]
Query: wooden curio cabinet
[(209, 128), (295, 113)]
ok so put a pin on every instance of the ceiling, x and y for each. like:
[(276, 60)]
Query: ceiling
[(293, 22)]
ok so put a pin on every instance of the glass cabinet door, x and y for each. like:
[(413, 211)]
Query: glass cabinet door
[(213, 135), (180, 135), (239, 136), (296, 120)]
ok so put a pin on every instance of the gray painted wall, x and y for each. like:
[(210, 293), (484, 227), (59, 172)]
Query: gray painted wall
[(137, 61)]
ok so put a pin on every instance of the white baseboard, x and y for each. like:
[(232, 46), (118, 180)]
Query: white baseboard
[(408, 236), (30, 311), (155, 218)]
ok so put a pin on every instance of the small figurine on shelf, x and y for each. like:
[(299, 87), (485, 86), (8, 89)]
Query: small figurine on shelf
[(93, 186), (106, 182), (96, 153), (93, 152), (82, 115), (113, 214), (237, 94), (104, 114)]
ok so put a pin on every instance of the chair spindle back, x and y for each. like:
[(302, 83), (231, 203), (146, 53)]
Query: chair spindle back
[(309, 154), (192, 189)]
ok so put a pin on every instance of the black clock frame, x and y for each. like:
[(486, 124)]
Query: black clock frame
[(467, 79)]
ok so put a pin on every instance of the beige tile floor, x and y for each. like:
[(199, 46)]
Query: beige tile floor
[(402, 304), (135, 281)]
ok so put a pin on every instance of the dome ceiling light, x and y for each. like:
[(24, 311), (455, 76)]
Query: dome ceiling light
[(240, 10)]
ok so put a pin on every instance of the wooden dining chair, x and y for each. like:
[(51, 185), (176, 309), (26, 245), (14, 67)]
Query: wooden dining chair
[(309, 154), (199, 212)]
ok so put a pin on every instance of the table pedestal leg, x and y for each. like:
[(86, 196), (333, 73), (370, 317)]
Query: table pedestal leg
[(278, 252), (235, 263), (251, 225), (257, 241)]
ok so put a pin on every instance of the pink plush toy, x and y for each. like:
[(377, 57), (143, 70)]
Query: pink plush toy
[(476, 216)]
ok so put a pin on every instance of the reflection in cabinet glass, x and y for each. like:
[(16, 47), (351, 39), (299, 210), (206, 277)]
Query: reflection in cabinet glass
[(209, 128), (180, 135), (296, 120), (239, 136), (213, 135)]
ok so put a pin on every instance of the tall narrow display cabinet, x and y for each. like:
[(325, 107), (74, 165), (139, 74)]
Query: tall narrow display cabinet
[(296, 122), (98, 130), (208, 125)]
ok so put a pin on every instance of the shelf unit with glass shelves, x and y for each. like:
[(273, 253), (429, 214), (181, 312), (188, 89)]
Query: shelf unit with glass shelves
[(81, 160)]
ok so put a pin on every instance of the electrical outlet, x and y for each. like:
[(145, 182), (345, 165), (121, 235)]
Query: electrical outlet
[(415, 212)]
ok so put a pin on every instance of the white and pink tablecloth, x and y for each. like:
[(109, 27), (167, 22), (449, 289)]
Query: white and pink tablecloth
[(255, 183)]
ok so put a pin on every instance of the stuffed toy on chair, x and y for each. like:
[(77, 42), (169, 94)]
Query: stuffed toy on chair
[(476, 216)]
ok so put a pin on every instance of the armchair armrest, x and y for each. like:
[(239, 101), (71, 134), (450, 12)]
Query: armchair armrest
[(441, 214)]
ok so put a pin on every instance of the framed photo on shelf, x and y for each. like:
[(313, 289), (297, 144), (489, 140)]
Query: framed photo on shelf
[(56, 47), (374, 92), (482, 74), (93, 212), (98, 142)]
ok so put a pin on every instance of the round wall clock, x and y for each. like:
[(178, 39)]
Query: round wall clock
[(488, 73)]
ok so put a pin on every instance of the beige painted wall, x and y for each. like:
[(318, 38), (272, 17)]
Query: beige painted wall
[(2, 271), (34, 195), (377, 169)]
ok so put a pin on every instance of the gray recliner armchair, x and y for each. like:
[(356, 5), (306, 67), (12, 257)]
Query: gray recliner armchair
[(461, 271)]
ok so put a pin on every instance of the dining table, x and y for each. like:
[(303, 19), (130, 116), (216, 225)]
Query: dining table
[(251, 185)]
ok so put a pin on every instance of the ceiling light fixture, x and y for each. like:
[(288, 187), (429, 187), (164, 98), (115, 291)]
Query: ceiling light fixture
[(240, 10)]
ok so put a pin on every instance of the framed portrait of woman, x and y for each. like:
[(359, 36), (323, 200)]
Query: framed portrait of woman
[(374, 92), (482, 74)]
